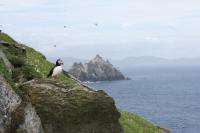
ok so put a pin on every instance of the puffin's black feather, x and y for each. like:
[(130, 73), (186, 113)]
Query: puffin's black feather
[(58, 63), (51, 72)]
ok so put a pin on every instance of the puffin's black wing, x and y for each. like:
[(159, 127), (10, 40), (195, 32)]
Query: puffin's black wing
[(50, 72)]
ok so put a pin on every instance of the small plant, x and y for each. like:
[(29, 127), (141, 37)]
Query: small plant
[(30, 73), (18, 118), (16, 61)]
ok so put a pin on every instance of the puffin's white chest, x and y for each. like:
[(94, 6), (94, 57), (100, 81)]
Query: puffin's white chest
[(57, 70)]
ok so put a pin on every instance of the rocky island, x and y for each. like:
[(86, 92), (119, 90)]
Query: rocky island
[(96, 70)]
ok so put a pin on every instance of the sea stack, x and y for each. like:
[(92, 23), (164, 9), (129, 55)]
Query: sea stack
[(96, 70)]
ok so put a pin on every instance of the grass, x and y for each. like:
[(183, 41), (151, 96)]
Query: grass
[(5, 72), (29, 63), (6, 38), (38, 61), (132, 123)]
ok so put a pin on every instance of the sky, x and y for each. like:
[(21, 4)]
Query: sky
[(112, 28)]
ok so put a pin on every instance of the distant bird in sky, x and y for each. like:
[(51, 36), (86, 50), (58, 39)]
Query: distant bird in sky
[(54, 45), (65, 26), (96, 24), (56, 70)]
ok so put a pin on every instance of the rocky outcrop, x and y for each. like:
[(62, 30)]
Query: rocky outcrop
[(96, 70), (32, 122), (9, 101), (72, 110)]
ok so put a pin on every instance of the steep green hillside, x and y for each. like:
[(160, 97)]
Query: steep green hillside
[(6, 38), (29, 64), (132, 123)]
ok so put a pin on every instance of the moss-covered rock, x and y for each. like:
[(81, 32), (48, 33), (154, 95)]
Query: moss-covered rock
[(63, 109)]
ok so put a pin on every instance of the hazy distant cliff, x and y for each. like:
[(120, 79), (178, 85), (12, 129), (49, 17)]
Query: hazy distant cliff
[(96, 70)]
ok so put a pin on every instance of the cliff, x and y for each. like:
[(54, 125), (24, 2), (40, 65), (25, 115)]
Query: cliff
[(31, 103), (96, 70)]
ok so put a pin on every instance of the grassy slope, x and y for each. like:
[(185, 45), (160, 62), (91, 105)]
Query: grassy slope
[(130, 122), (32, 61), (42, 66), (5, 72), (6, 38)]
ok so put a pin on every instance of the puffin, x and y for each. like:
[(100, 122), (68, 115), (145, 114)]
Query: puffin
[(56, 70)]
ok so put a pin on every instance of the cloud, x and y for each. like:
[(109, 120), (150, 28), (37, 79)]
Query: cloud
[(125, 27), (150, 38)]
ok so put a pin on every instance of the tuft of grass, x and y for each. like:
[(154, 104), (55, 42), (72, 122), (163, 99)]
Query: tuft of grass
[(132, 123), (6, 38), (5, 72)]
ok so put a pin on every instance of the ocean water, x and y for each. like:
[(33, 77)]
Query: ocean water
[(167, 96)]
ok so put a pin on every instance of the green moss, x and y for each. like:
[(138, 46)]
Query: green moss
[(15, 54), (25, 72), (22, 71), (132, 123), (16, 61), (6, 73), (72, 110)]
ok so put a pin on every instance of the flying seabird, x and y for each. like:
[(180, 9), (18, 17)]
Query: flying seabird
[(96, 24), (57, 69)]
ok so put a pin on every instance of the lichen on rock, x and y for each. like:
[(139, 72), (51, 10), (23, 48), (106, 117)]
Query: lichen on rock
[(32, 122), (9, 101), (73, 110)]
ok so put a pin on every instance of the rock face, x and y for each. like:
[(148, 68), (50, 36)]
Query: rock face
[(9, 101), (32, 122), (30, 103), (72, 110), (96, 70)]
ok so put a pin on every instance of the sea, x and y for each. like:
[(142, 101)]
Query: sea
[(167, 96)]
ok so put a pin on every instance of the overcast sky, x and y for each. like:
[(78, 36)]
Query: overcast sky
[(111, 28)]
